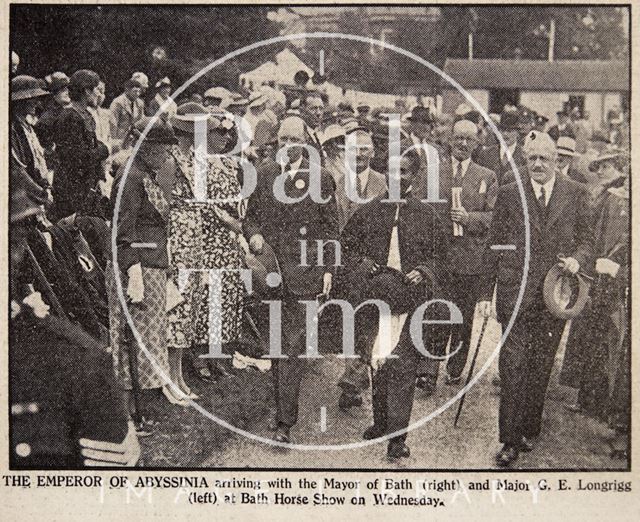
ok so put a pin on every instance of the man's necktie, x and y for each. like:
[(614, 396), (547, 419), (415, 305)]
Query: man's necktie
[(542, 204), (457, 176)]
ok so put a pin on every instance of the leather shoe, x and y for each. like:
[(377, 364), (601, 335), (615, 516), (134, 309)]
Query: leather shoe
[(283, 434), (397, 450), (426, 384), (507, 455), (348, 400), (373, 432), (527, 444)]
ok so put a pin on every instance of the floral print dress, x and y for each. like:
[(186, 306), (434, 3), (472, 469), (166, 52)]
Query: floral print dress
[(199, 240)]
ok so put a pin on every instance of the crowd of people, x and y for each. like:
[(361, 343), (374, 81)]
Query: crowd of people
[(75, 184)]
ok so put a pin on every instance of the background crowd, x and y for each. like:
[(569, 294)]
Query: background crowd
[(68, 157)]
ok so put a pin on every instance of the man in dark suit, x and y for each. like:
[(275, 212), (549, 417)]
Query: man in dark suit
[(558, 212), (495, 158), (408, 237), (563, 127), (470, 191), (284, 225)]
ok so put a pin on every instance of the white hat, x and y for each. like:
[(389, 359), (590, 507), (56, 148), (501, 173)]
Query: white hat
[(256, 99), (332, 132), (566, 146), (141, 78), (217, 92), (233, 100), (463, 109)]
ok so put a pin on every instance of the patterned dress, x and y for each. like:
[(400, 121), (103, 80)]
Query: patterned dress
[(199, 240)]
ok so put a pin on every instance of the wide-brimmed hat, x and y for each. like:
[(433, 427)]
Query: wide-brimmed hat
[(234, 100), (607, 155), (56, 82), (160, 131), (566, 146), (184, 118), (565, 295), (256, 99), (420, 114), (25, 87), (219, 93), (332, 132)]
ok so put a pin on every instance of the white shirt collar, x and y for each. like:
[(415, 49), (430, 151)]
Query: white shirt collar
[(548, 188), (565, 170), (464, 165)]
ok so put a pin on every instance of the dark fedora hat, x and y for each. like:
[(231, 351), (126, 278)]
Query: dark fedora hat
[(25, 87), (509, 120), (421, 114), (565, 294)]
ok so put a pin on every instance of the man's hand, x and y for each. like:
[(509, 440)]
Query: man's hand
[(415, 277), (256, 243), (326, 283), (101, 453), (571, 265), (486, 309), (460, 215), (607, 267), (135, 286)]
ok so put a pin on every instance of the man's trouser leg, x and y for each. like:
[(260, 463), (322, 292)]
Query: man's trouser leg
[(513, 368), (544, 346), (396, 384), (355, 378), (289, 371)]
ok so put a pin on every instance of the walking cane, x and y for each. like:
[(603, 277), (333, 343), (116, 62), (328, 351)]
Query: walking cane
[(470, 374)]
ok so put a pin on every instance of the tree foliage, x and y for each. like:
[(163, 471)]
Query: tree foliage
[(117, 40)]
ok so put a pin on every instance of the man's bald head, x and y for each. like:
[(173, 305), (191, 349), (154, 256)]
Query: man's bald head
[(293, 127), (540, 141), (464, 139), (541, 154), (292, 132)]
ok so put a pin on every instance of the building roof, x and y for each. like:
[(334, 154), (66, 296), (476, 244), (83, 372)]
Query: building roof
[(539, 75), (376, 13)]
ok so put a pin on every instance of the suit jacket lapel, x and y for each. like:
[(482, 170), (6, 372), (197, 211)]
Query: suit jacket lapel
[(469, 182), (557, 201), (532, 204)]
